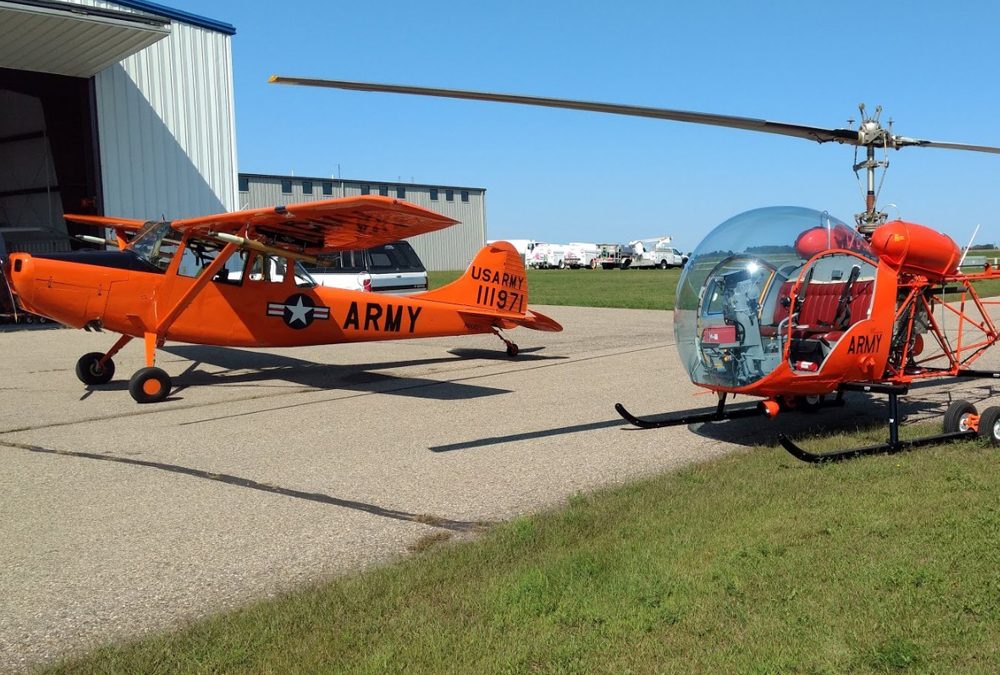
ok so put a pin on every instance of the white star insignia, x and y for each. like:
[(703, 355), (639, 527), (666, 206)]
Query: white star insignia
[(300, 312)]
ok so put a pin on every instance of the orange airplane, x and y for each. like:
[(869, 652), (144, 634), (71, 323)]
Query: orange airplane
[(791, 305), (232, 279)]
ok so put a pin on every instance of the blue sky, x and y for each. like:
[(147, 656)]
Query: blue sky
[(562, 175)]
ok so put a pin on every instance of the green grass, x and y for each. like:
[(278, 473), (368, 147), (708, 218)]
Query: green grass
[(629, 289), (753, 563)]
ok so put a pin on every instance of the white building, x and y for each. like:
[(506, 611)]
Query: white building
[(120, 108)]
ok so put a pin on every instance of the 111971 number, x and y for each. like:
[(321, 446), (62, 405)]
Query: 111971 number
[(501, 299)]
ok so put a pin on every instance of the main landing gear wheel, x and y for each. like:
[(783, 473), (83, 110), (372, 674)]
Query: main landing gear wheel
[(956, 418), (989, 425), (149, 385), (90, 370)]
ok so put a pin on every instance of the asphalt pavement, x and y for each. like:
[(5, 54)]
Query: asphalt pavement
[(265, 470)]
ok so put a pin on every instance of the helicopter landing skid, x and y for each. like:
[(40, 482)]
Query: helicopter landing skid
[(692, 416), (892, 446)]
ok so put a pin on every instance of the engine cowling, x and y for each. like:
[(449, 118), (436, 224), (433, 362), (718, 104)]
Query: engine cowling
[(916, 249)]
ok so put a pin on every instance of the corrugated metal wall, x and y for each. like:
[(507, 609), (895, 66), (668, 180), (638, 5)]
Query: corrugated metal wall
[(167, 127), (450, 249)]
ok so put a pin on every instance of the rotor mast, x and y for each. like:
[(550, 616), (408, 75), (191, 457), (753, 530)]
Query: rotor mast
[(871, 134)]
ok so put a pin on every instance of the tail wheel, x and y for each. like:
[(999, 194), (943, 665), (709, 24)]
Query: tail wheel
[(512, 349), (90, 371), (149, 385), (956, 418), (989, 425)]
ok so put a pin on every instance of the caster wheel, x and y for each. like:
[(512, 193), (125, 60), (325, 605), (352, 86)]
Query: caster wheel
[(149, 385), (989, 425), (956, 418), (89, 369), (512, 350)]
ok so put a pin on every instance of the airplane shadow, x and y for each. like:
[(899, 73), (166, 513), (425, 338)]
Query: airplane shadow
[(241, 367)]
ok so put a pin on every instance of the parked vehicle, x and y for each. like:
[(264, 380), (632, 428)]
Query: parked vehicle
[(580, 254), (660, 254), (394, 269), (546, 256), (610, 256)]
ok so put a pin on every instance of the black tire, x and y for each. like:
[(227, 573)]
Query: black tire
[(809, 403), (664, 265), (149, 385), (512, 350), (955, 416), (89, 370), (989, 425), (594, 264)]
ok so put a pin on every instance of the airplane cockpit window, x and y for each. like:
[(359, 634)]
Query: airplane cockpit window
[(267, 268), (302, 278), (156, 243), (200, 253), (734, 312)]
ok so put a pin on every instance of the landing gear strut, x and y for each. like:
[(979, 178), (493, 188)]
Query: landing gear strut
[(147, 385)]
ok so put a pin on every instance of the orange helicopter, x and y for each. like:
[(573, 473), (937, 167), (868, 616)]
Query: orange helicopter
[(793, 305), (232, 279)]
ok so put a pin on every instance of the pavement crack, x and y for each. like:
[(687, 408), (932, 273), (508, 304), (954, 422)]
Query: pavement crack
[(239, 481)]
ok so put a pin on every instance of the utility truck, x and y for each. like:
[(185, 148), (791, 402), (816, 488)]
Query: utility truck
[(652, 252)]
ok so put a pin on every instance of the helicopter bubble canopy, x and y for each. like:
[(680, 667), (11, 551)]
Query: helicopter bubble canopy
[(729, 293)]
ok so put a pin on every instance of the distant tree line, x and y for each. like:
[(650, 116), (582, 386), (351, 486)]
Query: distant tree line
[(984, 247)]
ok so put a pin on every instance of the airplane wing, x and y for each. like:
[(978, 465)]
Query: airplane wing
[(124, 228), (329, 225), (130, 224)]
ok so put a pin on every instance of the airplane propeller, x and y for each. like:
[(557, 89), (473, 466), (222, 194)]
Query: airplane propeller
[(870, 133)]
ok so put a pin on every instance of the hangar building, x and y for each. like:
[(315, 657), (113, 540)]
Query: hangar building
[(125, 108), (117, 107), (450, 249)]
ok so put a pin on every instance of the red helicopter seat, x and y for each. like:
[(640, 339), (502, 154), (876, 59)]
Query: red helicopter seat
[(818, 313)]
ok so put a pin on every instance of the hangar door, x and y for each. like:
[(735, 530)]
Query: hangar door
[(48, 157), (49, 52)]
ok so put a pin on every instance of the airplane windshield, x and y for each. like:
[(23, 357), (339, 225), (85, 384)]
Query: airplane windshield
[(302, 278), (731, 316), (156, 243)]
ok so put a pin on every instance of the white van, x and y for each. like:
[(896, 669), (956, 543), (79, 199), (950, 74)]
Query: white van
[(393, 268)]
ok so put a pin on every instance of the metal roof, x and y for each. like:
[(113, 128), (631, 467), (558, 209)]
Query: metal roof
[(70, 39), (357, 181), (178, 15)]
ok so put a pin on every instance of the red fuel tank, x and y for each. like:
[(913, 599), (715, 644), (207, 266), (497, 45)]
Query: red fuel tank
[(916, 249)]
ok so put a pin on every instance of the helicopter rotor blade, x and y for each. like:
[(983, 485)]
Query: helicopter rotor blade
[(751, 124), (903, 141), (818, 134)]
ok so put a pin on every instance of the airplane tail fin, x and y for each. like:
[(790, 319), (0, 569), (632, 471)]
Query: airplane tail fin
[(494, 291)]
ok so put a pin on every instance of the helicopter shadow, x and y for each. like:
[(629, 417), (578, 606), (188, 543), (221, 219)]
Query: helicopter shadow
[(860, 411)]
